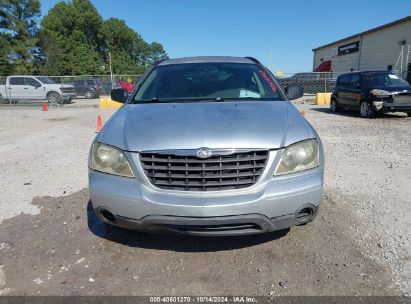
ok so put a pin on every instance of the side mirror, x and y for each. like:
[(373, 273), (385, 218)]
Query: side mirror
[(119, 95), (294, 92)]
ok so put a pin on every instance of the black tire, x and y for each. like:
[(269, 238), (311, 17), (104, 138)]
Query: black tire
[(89, 94), (334, 107), (409, 114), (54, 98), (2, 100), (367, 110)]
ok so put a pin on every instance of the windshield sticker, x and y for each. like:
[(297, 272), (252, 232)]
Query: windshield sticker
[(269, 81), (393, 76), (245, 94)]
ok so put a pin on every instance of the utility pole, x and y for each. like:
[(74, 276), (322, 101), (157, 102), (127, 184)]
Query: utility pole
[(111, 69)]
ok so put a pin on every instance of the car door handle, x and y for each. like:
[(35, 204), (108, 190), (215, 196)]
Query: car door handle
[(26, 88)]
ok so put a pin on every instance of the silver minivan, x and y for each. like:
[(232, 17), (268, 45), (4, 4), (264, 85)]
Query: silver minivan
[(207, 146)]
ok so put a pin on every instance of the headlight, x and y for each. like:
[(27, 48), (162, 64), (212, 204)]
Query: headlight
[(297, 157), (107, 159), (380, 93)]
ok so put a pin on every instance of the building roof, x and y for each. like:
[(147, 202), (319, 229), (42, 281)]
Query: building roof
[(399, 21), (203, 59)]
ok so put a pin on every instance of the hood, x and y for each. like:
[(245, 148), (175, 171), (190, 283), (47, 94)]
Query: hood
[(66, 86), (168, 126), (393, 88)]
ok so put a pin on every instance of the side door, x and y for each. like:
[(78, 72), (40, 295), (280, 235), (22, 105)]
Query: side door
[(15, 88), (354, 91), (79, 85), (342, 91), (32, 89)]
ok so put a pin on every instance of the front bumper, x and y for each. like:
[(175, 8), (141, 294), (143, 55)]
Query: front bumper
[(392, 106), (271, 204), (68, 96), (209, 226)]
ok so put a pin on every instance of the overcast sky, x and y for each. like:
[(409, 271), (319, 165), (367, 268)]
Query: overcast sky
[(291, 29)]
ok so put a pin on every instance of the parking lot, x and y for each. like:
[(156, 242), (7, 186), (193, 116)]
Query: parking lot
[(52, 244)]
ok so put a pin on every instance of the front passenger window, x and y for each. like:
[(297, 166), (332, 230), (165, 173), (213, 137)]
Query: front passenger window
[(355, 80), (31, 82)]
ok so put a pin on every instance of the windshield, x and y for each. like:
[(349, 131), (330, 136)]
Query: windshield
[(45, 80), (207, 81), (382, 79)]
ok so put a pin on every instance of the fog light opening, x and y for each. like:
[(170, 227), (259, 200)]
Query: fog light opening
[(108, 215), (304, 215)]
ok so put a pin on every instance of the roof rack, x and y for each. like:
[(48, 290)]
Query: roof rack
[(253, 59)]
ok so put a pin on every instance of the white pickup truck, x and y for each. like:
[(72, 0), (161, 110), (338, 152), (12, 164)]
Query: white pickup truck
[(34, 88)]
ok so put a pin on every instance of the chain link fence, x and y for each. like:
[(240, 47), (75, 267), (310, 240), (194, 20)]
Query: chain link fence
[(312, 82), (62, 90), (85, 90)]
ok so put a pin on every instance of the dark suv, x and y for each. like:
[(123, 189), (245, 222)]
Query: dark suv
[(371, 92), (89, 88)]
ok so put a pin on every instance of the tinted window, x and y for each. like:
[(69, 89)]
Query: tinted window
[(90, 82), (344, 79), (382, 79), (31, 82), (355, 79), (45, 80), (208, 81), (17, 81)]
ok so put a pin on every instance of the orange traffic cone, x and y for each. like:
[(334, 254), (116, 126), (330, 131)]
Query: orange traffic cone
[(44, 106), (99, 124), (302, 113)]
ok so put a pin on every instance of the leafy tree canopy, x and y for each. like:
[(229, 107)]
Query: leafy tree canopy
[(18, 26), (73, 39)]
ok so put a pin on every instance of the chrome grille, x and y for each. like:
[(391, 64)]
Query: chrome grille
[(189, 173)]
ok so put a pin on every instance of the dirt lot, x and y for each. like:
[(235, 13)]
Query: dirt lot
[(52, 244)]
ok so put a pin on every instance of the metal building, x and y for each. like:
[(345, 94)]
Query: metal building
[(387, 47)]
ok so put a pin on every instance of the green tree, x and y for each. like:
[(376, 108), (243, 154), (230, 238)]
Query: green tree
[(121, 41), (18, 27), (72, 40), (156, 52)]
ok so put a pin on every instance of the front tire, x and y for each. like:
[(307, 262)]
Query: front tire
[(2, 100), (334, 108), (409, 114), (54, 98), (367, 110)]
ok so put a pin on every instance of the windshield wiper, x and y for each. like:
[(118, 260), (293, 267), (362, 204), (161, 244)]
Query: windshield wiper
[(155, 99)]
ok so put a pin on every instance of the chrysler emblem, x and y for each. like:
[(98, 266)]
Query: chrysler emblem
[(203, 153)]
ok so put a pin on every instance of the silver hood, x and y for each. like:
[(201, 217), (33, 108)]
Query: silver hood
[(215, 125)]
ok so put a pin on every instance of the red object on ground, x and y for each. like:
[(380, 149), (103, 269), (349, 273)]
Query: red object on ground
[(302, 113), (126, 85), (324, 66), (99, 124), (44, 106)]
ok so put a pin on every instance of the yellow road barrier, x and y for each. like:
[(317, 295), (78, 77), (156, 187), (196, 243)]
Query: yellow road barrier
[(107, 103), (323, 98)]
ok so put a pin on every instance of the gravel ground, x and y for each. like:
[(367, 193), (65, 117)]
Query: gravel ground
[(359, 244), (44, 153)]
